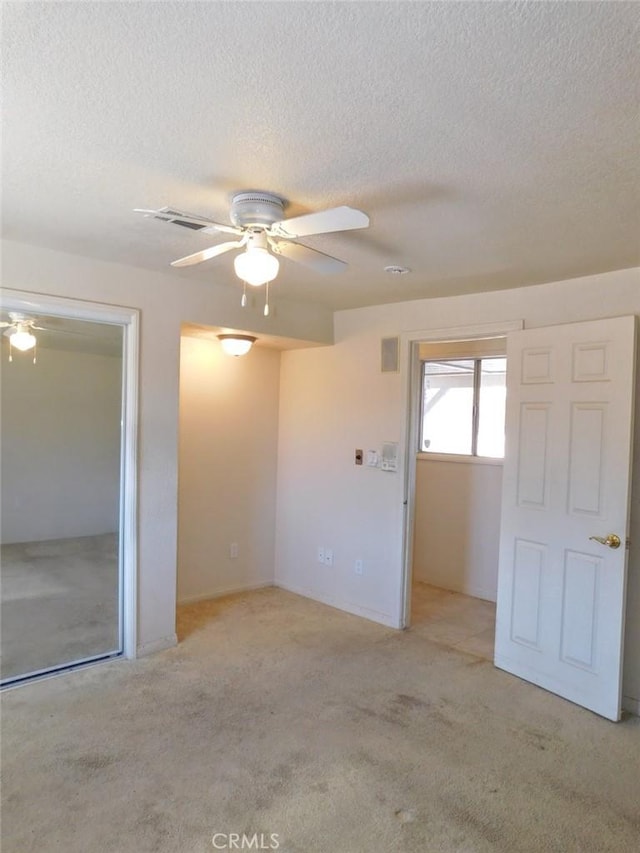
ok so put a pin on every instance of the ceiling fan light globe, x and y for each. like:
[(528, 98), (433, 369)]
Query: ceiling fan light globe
[(256, 266), (22, 340)]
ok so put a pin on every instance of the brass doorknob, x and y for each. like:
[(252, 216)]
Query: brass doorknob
[(612, 540)]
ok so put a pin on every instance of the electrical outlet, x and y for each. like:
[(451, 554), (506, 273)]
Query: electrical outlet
[(320, 555), (233, 550), (359, 566), (328, 557)]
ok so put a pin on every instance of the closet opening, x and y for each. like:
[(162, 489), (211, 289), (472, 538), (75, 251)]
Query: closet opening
[(457, 451), (69, 485)]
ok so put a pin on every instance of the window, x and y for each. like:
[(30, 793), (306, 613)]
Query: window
[(463, 404)]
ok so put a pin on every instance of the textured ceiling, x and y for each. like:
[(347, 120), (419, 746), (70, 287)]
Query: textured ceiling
[(492, 144)]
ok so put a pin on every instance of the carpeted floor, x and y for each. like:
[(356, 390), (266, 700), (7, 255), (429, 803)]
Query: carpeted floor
[(454, 620), (59, 602), (276, 714)]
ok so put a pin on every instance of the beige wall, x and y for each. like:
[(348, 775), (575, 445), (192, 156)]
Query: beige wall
[(334, 400), (457, 525), (165, 301), (227, 465), (60, 444)]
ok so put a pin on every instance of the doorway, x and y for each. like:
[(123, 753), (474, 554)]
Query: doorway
[(453, 498), (559, 623), (69, 372), (458, 483)]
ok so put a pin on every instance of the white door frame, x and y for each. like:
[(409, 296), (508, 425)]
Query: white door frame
[(409, 351), (128, 318)]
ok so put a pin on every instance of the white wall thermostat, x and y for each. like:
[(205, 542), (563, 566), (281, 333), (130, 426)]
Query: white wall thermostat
[(390, 456)]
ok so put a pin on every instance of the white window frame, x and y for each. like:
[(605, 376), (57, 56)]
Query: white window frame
[(472, 350)]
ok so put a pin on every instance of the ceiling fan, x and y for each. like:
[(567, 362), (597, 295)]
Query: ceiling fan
[(258, 224), (19, 328)]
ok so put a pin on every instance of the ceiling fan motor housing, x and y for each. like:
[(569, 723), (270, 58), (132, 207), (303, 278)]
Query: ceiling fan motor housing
[(253, 209)]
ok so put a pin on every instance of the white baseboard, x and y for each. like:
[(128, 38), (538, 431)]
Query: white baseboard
[(465, 589), (220, 593), (478, 592), (347, 606), (157, 646), (631, 705)]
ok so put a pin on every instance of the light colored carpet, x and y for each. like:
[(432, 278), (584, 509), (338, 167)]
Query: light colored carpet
[(459, 621), (59, 602), (276, 714)]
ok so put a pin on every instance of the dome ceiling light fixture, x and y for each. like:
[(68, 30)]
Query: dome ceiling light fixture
[(259, 228), (236, 345)]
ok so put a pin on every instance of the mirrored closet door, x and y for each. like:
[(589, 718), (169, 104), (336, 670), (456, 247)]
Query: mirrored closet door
[(61, 421)]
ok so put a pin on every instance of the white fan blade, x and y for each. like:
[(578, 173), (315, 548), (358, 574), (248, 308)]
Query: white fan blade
[(336, 219), (3, 325), (207, 254), (311, 258), (59, 331), (189, 220)]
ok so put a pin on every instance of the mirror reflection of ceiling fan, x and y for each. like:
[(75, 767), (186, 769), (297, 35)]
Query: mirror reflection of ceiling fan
[(258, 224), (20, 328)]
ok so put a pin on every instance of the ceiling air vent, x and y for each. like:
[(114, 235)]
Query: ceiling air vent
[(192, 225)]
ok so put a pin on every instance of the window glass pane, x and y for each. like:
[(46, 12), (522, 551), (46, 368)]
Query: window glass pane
[(447, 414), (493, 394)]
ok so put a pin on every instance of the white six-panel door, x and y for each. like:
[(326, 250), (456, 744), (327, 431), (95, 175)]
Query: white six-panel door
[(561, 594)]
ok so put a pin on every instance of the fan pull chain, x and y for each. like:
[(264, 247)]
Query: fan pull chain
[(266, 301), (11, 352), (243, 301)]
